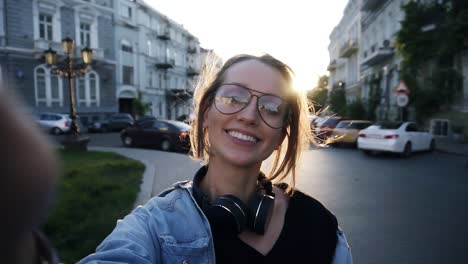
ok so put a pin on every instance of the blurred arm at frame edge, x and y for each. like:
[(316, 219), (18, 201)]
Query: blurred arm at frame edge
[(29, 174)]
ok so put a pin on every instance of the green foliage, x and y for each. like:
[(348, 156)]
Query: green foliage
[(140, 108), (97, 189), (318, 96), (374, 96), (338, 101), (431, 37), (356, 110)]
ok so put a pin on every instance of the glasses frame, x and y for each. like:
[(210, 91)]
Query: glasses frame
[(286, 119)]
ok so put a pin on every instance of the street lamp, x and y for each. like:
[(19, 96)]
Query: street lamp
[(67, 69)]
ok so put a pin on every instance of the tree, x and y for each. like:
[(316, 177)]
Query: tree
[(356, 110), (140, 108), (338, 101), (318, 95), (430, 39)]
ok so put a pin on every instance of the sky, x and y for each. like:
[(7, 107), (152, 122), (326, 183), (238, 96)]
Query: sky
[(295, 31)]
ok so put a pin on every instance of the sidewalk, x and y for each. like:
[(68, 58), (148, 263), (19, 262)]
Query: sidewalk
[(450, 146)]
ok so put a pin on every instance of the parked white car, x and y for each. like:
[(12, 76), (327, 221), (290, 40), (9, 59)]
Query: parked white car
[(54, 123), (401, 137)]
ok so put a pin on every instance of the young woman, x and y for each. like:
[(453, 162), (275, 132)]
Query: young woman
[(231, 212)]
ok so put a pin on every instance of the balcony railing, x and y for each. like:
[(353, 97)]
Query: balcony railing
[(165, 64), (42, 44), (349, 48), (378, 55), (164, 35), (332, 66), (191, 71), (191, 50)]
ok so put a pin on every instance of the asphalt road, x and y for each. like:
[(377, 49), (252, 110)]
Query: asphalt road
[(392, 210)]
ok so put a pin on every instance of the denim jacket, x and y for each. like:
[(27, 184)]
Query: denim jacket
[(171, 228)]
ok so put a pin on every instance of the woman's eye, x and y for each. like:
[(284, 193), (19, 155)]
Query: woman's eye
[(234, 100), (269, 109)]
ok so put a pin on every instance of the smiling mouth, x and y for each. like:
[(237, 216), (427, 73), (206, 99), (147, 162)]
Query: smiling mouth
[(241, 136)]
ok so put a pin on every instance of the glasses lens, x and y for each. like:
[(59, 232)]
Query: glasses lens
[(273, 110), (231, 98)]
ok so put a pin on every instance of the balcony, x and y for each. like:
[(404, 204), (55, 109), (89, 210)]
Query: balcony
[(378, 56), (371, 5), (192, 72), (165, 64), (164, 35), (332, 66), (179, 94), (349, 48), (191, 50), (41, 45)]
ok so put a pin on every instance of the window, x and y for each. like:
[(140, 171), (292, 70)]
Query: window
[(150, 78), (48, 88), (161, 81), (85, 34), (45, 26), (126, 11), (126, 47), (127, 75), (150, 51), (88, 90)]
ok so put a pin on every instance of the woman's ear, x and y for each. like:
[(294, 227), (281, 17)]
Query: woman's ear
[(206, 117)]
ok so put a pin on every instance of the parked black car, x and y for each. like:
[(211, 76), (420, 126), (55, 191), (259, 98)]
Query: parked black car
[(116, 122), (163, 134)]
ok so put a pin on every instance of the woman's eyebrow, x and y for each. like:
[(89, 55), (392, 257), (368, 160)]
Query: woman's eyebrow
[(246, 87)]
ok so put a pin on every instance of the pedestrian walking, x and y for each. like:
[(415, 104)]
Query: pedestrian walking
[(232, 212)]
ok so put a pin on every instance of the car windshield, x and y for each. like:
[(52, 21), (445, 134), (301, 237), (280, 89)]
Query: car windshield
[(343, 124), (389, 125), (332, 121)]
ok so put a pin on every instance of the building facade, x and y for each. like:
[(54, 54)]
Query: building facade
[(28, 28), (344, 64), (363, 58), (379, 61), (139, 53), (157, 61)]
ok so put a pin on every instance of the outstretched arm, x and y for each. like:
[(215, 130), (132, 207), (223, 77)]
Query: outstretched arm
[(29, 174)]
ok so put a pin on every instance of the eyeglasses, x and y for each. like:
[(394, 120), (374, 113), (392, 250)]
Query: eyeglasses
[(232, 98)]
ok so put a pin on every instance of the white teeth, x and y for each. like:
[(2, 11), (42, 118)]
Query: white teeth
[(242, 136)]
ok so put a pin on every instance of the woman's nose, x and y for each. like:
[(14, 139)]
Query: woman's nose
[(250, 113)]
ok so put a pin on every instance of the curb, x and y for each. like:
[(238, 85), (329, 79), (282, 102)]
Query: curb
[(453, 153)]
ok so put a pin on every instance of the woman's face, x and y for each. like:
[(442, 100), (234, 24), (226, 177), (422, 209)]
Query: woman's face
[(243, 138)]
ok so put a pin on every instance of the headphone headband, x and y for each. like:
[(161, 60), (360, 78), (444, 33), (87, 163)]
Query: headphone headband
[(228, 210)]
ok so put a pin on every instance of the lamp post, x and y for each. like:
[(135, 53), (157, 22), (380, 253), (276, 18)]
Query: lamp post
[(67, 69)]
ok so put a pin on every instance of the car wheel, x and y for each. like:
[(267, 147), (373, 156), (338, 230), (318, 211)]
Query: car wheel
[(165, 145), (128, 141), (432, 146), (406, 151), (104, 129), (56, 131), (367, 152)]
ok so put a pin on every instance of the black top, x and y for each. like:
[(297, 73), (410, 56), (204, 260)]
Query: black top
[(308, 236)]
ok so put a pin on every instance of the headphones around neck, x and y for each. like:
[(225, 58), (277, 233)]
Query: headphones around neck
[(230, 213)]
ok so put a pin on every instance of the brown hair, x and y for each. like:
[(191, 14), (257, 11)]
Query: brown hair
[(297, 130)]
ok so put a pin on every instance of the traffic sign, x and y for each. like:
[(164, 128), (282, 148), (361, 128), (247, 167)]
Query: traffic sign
[(401, 88), (402, 99)]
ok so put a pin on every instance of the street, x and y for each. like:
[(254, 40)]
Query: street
[(392, 210)]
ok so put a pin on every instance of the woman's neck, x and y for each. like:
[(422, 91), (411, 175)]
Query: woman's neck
[(222, 179)]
